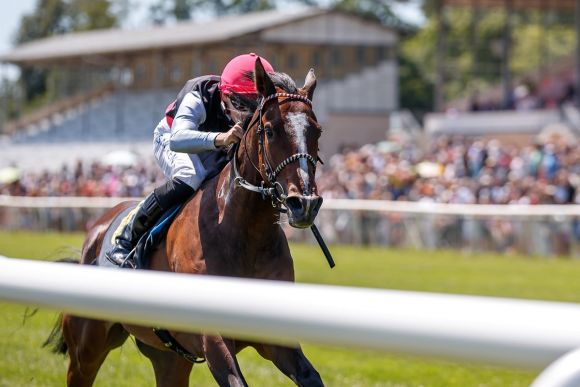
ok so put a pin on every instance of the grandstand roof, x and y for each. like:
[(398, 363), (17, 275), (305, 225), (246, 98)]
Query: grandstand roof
[(112, 41), (516, 4)]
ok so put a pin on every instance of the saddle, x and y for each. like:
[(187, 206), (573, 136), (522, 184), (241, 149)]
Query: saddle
[(146, 244)]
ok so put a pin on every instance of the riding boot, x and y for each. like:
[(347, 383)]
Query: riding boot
[(148, 212)]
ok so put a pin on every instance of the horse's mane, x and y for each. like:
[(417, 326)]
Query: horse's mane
[(284, 82), (249, 105)]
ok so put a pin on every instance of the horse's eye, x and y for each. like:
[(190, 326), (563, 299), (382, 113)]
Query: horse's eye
[(269, 131)]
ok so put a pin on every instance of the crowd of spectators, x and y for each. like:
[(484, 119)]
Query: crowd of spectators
[(451, 170), (527, 96), (94, 179), (456, 170)]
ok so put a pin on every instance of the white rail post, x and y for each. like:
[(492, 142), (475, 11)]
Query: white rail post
[(564, 372)]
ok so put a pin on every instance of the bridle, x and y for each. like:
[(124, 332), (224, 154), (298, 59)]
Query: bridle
[(270, 187)]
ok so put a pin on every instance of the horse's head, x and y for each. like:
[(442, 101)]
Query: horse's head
[(288, 144)]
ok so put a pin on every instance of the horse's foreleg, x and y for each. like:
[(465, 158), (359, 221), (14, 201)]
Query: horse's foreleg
[(220, 355), (171, 370), (292, 362)]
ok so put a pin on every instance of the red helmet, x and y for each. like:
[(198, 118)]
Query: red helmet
[(235, 78)]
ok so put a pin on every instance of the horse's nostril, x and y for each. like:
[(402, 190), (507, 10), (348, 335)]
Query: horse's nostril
[(317, 204), (294, 204)]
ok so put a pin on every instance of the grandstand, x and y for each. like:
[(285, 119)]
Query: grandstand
[(129, 76)]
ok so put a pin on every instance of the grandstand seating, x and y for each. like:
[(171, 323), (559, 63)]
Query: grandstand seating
[(129, 116), (118, 117)]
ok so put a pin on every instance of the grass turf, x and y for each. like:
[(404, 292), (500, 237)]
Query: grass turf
[(24, 363)]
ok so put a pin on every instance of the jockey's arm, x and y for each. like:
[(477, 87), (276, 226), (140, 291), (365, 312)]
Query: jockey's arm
[(185, 136)]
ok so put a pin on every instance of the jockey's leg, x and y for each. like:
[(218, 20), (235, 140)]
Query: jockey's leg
[(147, 213)]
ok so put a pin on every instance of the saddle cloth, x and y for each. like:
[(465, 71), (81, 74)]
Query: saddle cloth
[(147, 242)]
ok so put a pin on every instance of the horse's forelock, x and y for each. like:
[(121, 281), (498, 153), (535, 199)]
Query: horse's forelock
[(284, 82), (281, 81)]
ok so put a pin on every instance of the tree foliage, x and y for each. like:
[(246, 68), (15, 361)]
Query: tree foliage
[(473, 53), (54, 17), (163, 11), (380, 10)]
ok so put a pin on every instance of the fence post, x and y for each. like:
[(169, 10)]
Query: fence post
[(564, 372)]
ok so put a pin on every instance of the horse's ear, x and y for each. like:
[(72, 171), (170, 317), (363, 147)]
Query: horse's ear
[(264, 84), (309, 84)]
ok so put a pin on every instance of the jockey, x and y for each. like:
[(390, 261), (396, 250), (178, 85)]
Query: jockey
[(190, 143)]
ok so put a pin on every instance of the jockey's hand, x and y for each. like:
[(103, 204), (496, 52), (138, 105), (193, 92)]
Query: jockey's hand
[(230, 137)]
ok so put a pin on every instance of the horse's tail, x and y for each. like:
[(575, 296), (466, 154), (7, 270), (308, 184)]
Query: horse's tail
[(55, 339)]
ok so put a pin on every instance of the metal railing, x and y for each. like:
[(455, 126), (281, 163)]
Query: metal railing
[(483, 329), (547, 230)]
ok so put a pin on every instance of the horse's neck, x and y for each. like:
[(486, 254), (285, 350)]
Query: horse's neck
[(246, 210)]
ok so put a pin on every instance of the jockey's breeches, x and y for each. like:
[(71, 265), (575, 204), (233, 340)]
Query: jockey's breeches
[(183, 166)]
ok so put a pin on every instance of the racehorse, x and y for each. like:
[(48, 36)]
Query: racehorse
[(227, 228)]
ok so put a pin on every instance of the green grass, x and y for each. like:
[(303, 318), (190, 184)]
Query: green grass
[(24, 363)]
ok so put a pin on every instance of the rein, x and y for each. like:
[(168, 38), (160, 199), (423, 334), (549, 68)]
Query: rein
[(274, 190), (272, 173), (270, 187)]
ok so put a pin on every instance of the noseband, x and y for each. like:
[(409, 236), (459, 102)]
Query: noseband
[(270, 187), (271, 173)]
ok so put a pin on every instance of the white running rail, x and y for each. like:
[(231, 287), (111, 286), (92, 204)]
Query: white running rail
[(476, 210), (484, 329)]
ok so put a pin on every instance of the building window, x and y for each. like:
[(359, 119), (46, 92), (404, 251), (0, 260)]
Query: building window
[(292, 60), (361, 55), (176, 73), (336, 56), (196, 67), (316, 58), (126, 76), (140, 72), (212, 67), (273, 59), (381, 53), (386, 53)]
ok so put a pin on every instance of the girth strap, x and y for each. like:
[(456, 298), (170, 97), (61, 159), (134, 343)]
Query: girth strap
[(173, 345)]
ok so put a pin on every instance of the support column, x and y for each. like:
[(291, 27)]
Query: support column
[(439, 90), (577, 96), (506, 53)]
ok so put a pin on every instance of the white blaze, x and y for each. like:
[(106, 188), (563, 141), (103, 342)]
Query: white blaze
[(298, 122)]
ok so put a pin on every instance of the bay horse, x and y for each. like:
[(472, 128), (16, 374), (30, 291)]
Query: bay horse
[(226, 229)]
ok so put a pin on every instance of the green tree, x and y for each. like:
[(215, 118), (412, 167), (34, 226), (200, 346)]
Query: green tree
[(473, 54), (379, 10), (54, 17), (182, 9), (162, 11), (87, 15)]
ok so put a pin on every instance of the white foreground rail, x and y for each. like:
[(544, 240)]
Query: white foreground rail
[(492, 330), (476, 210)]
